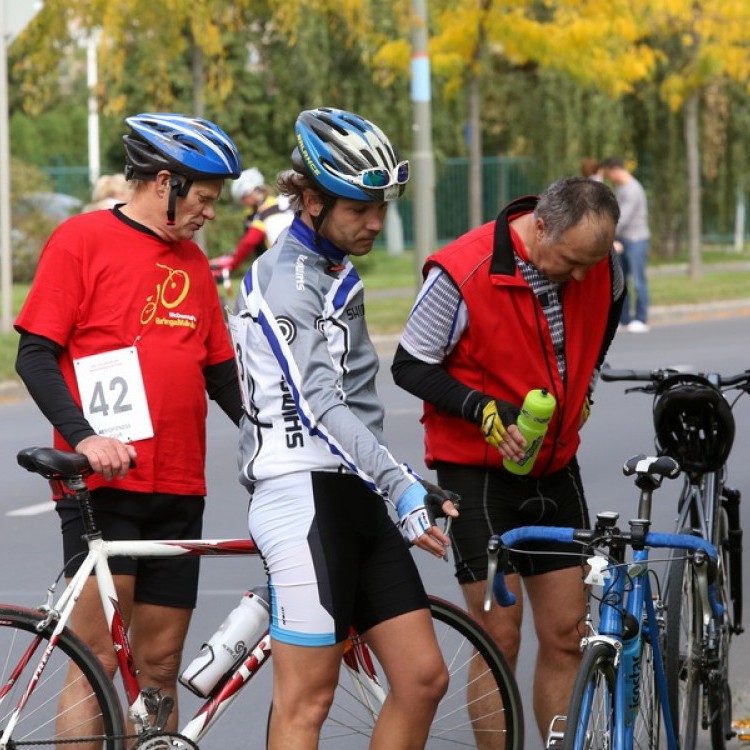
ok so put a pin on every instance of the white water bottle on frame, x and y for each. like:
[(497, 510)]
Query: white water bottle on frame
[(238, 634)]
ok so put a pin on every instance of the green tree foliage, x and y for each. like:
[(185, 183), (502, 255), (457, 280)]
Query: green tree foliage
[(30, 224), (558, 80)]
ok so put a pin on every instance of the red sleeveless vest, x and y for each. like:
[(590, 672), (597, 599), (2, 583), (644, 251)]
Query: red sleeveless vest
[(507, 348)]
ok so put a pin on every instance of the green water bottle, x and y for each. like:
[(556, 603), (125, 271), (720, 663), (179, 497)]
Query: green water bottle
[(536, 412)]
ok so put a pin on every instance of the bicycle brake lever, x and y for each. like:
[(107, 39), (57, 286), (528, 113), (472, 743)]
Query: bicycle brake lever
[(434, 503), (641, 389), (493, 552)]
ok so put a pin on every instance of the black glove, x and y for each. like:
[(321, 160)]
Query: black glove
[(435, 498)]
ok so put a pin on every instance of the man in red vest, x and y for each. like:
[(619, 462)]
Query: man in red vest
[(530, 300)]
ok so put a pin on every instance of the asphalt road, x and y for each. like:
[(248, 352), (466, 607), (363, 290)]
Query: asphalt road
[(620, 426)]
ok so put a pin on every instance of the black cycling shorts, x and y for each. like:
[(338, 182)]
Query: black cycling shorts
[(333, 555), (123, 515), (494, 501)]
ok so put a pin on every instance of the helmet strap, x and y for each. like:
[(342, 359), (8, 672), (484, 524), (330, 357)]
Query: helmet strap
[(328, 201), (177, 188)]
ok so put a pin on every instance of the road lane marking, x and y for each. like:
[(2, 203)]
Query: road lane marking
[(33, 510)]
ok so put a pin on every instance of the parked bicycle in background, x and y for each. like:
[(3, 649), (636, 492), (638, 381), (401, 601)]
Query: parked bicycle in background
[(619, 699), (694, 424)]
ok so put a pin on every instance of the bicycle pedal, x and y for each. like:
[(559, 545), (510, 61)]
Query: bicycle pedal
[(556, 732)]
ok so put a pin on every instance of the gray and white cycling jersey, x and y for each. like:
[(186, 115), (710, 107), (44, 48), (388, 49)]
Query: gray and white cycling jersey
[(307, 368)]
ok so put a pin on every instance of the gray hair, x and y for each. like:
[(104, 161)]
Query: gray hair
[(566, 202)]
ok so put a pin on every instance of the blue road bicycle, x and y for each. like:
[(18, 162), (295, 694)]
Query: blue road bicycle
[(694, 424), (619, 699)]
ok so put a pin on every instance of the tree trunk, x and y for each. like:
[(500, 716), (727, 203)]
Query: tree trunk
[(199, 105), (475, 152), (692, 149), (199, 110)]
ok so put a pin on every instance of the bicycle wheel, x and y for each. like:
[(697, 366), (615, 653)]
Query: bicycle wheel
[(49, 717), (590, 722), (717, 685), (682, 652), (481, 709), (647, 728)]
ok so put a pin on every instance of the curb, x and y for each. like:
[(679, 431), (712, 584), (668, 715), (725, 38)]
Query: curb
[(658, 316), (670, 314), (12, 390), (385, 344)]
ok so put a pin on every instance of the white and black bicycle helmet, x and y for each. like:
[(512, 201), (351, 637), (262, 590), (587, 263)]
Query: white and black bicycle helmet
[(189, 147), (694, 423), (348, 156), (250, 179)]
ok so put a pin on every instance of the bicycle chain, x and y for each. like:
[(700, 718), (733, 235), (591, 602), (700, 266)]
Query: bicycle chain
[(59, 741), (166, 741)]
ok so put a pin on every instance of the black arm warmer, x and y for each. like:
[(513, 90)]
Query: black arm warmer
[(38, 367), (609, 333), (222, 386), (433, 384)]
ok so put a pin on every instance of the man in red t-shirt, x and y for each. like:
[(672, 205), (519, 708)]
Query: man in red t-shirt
[(122, 336)]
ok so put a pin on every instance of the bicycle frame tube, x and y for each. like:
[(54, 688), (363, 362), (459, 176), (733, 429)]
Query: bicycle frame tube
[(613, 603), (225, 692), (631, 674), (97, 560), (628, 678), (661, 677), (691, 510), (137, 711), (699, 503)]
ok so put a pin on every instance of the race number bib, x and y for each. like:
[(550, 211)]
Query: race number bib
[(113, 396), (238, 330)]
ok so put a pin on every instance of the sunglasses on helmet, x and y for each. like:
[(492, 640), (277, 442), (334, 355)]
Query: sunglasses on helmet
[(380, 177)]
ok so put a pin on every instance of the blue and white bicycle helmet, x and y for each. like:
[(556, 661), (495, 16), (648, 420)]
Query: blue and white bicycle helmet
[(348, 156), (188, 147)]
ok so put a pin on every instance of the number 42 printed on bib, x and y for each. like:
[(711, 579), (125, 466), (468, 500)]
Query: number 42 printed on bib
[(112, 394)]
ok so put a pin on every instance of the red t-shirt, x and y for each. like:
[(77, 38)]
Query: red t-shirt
[(103, 284)]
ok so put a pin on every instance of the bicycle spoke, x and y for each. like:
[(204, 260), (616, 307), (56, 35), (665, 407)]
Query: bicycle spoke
[(480, 709), (72, 705)]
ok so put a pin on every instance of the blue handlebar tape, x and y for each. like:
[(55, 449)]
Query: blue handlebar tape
[(503, 597), (537, 534)]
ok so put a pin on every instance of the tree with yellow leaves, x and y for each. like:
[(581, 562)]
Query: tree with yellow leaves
[(701, 45)]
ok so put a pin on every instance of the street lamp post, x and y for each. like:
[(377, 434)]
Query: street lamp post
[(92, 81)]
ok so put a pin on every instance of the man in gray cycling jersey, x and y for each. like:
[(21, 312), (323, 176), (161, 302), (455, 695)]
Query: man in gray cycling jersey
[(312, 452)]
